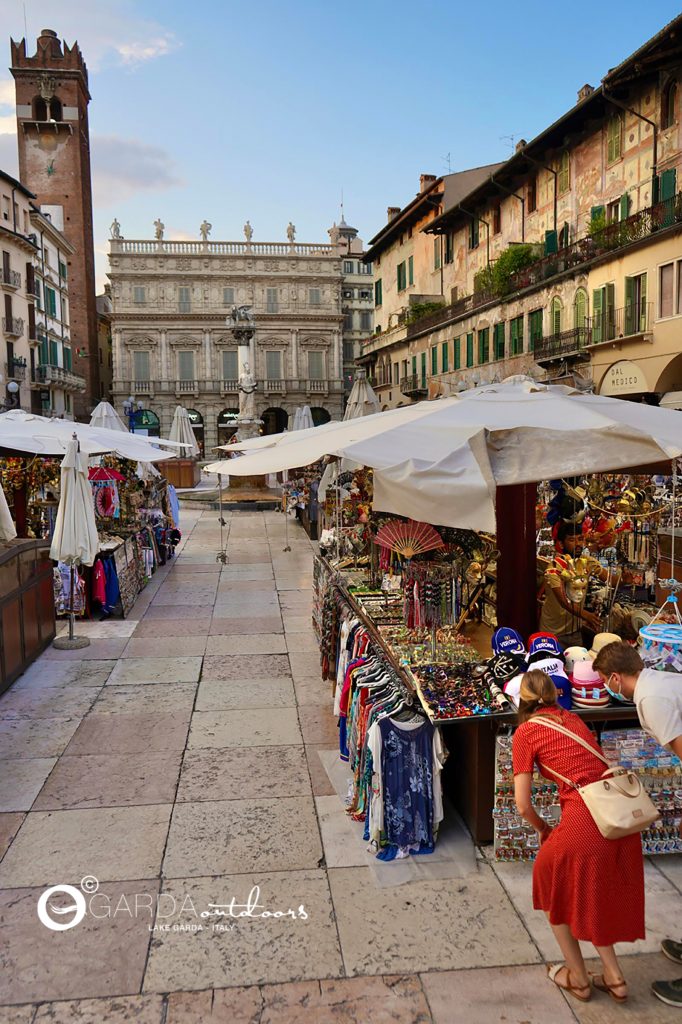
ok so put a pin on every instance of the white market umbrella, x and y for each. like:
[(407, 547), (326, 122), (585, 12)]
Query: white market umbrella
[(7, 528), (38, 435), (306, 420), (363, 399), (75, 540), (104, 415), (181, 431)]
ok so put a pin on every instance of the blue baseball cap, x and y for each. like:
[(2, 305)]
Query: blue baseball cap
[(545, 643), (507, 641)]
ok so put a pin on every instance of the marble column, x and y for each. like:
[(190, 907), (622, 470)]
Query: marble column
[(164, 355)]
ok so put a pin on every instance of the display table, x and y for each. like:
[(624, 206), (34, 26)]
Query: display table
[(469, 773), (27, 617)]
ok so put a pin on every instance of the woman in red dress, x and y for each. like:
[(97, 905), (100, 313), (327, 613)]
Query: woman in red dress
[(591, 888)]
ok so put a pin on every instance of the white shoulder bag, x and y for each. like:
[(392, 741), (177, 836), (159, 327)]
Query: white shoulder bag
[(618, 802)]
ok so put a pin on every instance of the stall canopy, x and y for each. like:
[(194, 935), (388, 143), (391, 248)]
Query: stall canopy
[(37, 435), (181, 430), (442, 461), (363, 399)]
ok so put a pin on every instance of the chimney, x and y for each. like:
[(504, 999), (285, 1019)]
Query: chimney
[(586, 91), (392, 212), (425, 180), (521, 144)]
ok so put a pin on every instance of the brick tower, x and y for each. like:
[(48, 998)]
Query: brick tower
[(54, 163)]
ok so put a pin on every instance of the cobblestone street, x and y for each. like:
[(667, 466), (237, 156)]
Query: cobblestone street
[(184, 754)]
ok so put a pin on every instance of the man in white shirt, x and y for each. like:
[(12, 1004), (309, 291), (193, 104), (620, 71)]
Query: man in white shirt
[(658, 699)]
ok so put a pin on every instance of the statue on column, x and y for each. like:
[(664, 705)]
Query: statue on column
[(247, 394), (115, 229), (205, 230), (159, 227), (248, 231), (291, 232)]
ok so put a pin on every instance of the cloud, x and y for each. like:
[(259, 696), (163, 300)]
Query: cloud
[(7, 92), (108, 31), (9, 157), (124, 167)]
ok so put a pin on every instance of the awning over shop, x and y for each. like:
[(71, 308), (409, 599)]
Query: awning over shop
[(673, 400), (624, 378)]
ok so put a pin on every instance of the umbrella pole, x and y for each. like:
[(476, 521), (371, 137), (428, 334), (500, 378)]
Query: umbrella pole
[(222, 554), (72, 616), (71, 642), (287, 546)]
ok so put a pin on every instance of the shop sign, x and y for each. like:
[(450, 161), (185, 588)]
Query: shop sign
[(624, 378)]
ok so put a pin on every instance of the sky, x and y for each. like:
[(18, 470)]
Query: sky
[(273, 111)]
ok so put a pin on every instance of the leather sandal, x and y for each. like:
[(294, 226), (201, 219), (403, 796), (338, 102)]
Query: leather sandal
[(600, 983), (575, 990)]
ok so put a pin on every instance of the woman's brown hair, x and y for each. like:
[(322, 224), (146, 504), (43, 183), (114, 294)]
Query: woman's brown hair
[(537, 692)]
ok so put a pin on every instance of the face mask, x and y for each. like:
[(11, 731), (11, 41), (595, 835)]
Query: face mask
[(616, 696)]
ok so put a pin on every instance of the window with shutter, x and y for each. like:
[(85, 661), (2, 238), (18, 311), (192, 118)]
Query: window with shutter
[(410, 270), (378, 293), (473, 233), (273, 365), (30, 279), (423, 367), (614, 134), (39, 296), (532, 196), (316, 365), (314, 297), (470, 349), (67, 358), (564, 177), (534, 329), (556, 315), (497, 219), (271, 300), (184, 301), (436, 252), (457, 353), (31, 321), (516, 336), (498, 341), (402, 277), (434, 361), (679, 287), (667, 188), (610, 311), (365, 321), (228, 296), (636, 305), (625, 206), (139, 294), (580, 310), (483, 345), (445, 357), (54, 353), (449, 247), (551, 243), (186, 365), (669, 105), (598, 315), (230, 364)]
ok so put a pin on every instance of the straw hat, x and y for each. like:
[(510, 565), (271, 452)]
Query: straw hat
[(601, 640)]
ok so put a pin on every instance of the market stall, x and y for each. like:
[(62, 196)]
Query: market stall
[(470, 462)]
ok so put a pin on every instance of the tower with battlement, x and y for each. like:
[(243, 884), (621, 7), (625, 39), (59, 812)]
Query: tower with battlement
[(54, 163)]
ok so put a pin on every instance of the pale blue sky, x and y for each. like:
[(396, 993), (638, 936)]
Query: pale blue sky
[(266, 110)]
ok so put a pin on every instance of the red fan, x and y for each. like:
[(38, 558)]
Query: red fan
[(410, 538)]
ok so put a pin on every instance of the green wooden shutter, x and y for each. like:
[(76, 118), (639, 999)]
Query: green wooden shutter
[(423, 381), (67, 358), (625, 206), (445, 357), (598, 315), (54, 353), (44, 357), (611, 311), (668, 184), (414, 367), (434, 361), (629, 305), (613, 139), (410, 270), (483, 346), (457, 354), (643, 325), (470, 349), (597, 211), (551, 242), (498, 341)]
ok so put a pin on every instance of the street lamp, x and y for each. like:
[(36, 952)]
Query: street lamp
[(12, 396), (130, 407)]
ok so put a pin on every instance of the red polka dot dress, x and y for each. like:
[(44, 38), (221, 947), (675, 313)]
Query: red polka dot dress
[(592, 884)]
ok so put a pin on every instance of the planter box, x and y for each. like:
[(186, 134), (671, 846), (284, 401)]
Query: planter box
[(182, 473)]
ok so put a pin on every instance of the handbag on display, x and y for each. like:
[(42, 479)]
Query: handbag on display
[(618, 802)]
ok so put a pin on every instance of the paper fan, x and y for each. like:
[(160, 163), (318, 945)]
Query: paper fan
[(410, 538)]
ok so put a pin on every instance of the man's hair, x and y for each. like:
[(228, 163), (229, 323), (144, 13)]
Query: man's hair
[(618, 657), (565, 530)]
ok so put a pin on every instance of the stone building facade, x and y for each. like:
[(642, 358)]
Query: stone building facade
[(551, 264), (357, 296), (171, 345), (52, 100), (105, 355), (18, 250)]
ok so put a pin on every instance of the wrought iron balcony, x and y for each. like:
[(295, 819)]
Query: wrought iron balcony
[(13, 325), (563, 345), (16, 369), (10, 278), (632, 321), (414, 386)]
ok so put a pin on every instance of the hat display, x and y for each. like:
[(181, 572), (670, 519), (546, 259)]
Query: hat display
[(544, 643), (507, 641), (601, 640), (573, 655), (563, 690), (587, 688)]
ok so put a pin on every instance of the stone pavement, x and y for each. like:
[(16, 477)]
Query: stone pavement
[(180, 761)]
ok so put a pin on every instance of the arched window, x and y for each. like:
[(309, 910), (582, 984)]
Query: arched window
[(274, 420), (669, 104), (197, 422), (556, 314), (227, 425), (39, 109), (56, 109), (146, 422), (580, 314)]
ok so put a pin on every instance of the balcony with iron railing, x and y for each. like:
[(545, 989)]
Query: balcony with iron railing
[(562, 345), (16, 368), (631, 322), (13, 326), (414, 386), (592, 247), (10, 278)]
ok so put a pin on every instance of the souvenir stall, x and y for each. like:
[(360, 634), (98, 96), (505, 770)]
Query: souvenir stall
[(449, 611)]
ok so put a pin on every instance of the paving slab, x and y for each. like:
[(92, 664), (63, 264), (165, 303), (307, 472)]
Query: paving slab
[(227, 694), (294, 623), (157, 628), (64, 673), (36, 737), (314, 692), (145, 699), (499, 995), (469, 921), (256, 950), (670, 866), (254, 643), (100, 957), (111, 843), (246, 666), (156, 670), (111, 780), (243, 626), (642, 1007), (22, 779), (99, 650), (188, 613), (162, 647), (105, 629), (130, 734), (119, 1010), (47, 701), (322, 784), (243, 773), (269, 727), (10, 824), (223, 837), (318, 725)]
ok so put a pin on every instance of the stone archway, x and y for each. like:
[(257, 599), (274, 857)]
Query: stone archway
[(227, 425), (275, 420), (145, 421), (197, 421)]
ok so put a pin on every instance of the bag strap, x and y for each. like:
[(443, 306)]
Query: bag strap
[(567, 732)]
